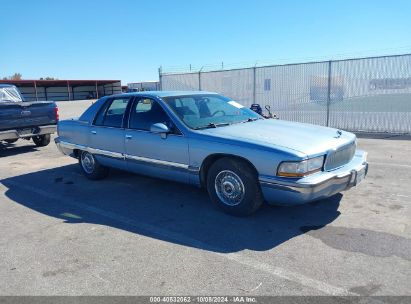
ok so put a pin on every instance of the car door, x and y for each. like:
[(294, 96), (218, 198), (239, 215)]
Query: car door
[(106, 138), (158, 155)]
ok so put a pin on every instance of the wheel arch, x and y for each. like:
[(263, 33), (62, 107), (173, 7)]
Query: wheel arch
[(212, 158), (76, 153)]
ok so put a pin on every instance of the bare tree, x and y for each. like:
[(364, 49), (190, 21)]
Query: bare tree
[(15, 76)]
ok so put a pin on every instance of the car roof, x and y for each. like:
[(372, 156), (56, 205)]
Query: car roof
[(165, 93)]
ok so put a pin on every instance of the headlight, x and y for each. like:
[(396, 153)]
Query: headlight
[(302, 168)]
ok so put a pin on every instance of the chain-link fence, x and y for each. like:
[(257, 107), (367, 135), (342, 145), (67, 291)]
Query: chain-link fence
[(365, 94)]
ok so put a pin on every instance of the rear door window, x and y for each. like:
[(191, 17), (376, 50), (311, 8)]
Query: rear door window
[(112, 113)]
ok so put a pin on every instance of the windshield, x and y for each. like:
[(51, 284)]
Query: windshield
[(10, 94), (209, 110)]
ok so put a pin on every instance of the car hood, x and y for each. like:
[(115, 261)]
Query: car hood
[(303, 138)]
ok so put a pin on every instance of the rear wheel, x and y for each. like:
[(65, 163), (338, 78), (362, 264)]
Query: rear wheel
[(41, 140), (91, 167), (233, 186)]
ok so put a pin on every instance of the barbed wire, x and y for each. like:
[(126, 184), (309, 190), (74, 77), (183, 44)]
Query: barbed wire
[(190, 68)]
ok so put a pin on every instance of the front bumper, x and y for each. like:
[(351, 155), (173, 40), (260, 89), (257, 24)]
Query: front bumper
[(28, 132), (286, 191)]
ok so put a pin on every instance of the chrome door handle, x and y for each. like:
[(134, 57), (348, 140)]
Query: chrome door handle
[(93, 132), (129, 137)]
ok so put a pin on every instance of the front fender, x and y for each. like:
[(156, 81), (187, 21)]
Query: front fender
[(264, 161)]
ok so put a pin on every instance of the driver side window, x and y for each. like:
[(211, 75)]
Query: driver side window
[(145, 112)]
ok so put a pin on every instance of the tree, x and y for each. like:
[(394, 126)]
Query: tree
[(15, 76)]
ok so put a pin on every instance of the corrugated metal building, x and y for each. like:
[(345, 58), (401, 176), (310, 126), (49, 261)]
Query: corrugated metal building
[(59, 90), (144, 86)]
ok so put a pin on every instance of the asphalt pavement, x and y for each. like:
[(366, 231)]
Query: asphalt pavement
[(61, 234)]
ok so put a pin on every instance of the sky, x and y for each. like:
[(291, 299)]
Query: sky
[(130, 39)]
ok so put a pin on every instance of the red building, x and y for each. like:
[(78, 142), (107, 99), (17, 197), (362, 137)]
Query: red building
[(58, 90)]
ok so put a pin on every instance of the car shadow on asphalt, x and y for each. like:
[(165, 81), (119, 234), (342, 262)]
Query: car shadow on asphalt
[(163, 210), (11, 149)]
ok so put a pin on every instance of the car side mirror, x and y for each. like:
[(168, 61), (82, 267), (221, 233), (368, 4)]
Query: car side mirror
[(160, 128)]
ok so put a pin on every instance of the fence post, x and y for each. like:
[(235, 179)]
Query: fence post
[(328, 93), (254, 85), (159, 79), (199, 81)]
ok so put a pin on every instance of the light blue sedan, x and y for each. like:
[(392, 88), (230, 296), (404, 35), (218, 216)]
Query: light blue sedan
[(211, 141)]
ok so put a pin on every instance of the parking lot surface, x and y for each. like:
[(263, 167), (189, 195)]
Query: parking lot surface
[(62, 234)]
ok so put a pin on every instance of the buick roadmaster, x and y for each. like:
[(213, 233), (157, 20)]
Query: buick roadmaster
[(211, 141)]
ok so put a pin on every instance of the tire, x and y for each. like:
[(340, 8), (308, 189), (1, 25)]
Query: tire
[(233, 186), (91, 167), (41, 140), (11, 141)]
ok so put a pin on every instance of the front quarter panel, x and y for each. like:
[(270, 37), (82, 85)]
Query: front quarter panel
[(265, 160)]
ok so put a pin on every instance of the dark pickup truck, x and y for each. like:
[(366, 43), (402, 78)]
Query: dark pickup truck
[(26, 120)]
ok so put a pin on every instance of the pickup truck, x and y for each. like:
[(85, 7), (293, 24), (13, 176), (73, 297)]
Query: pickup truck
[(26, 120)]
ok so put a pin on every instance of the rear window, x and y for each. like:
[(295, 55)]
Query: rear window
[(10, 94)]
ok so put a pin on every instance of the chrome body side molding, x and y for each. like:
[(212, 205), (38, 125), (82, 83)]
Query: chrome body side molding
[(67, 149), (157, 162)]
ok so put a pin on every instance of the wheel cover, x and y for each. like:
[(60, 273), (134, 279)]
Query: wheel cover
[(87, 162), (229, 188)]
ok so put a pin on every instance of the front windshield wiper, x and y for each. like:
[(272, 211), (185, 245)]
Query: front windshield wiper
[(249, 120), (212, 125), (252, 119)]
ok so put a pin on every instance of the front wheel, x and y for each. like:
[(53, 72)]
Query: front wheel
[(233, 186), (91, 167), (41, 140)]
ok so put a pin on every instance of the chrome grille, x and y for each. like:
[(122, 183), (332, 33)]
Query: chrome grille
[(340, 157)]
